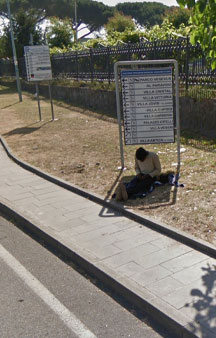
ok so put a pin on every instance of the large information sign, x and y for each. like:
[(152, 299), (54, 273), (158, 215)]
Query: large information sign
[(148, 105), (38, 65)]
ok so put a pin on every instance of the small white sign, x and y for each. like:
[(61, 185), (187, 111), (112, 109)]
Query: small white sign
[(38, 65), (148, 105)]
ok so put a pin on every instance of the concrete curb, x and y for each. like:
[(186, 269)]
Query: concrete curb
[(165, 315), (165, 229), (162, 312)]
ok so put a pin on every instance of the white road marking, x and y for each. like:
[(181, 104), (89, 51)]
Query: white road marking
[(69, 319)]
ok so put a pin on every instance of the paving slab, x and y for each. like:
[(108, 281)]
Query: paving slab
[(166, 273)]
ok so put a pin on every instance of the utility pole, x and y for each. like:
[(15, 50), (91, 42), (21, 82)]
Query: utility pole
[(14, 53), (75, 18)]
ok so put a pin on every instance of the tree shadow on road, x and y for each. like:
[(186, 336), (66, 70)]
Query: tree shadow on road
[(204, 305)]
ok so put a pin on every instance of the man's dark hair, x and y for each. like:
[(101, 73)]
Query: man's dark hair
[(141, 154)]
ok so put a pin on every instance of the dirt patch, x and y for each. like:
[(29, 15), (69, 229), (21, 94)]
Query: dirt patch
[(82, 147)]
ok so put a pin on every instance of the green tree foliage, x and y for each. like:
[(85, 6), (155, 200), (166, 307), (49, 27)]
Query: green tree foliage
[(203, 21), (178, 16), (3, 47), (60, 33), (119, 23), (166, 31), (158, 32), (92, 14), (26, 16), (145, 13), (39, 8), (24, 25)]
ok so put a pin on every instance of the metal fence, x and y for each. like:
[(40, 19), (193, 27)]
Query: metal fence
[(197, 80), (98, 63)]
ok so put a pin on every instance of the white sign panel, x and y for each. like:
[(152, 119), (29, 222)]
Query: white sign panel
[(38, 65), (148, 106)]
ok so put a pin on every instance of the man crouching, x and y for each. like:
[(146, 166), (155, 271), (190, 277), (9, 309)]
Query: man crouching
[(148, 168)]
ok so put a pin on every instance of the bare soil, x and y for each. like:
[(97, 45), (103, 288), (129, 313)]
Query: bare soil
[(82, 147)]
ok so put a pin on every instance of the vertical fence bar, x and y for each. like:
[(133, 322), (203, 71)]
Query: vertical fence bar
[(187, 64), (108, 64), (155, 53), (77, 66), (129, 52), (91, 65)]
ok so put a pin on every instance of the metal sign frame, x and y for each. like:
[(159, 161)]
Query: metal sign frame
[(118, 103), (38, 64), (38, 68)]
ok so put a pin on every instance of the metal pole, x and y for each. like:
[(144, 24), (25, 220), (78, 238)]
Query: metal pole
[(51, 102), (38, 100), (119, 115), (75, 18), (14, 54), (177, 112), (31, 41), (36, 84), (187, 64)]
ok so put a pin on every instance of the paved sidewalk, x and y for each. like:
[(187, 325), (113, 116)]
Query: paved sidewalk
[(171, 281)]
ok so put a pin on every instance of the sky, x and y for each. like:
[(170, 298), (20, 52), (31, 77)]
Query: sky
[(115, 2)]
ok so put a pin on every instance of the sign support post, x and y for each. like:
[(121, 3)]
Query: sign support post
[(119, 117), (177, 115), (147, 95), (38, 68), (38, 100), (51, 102)]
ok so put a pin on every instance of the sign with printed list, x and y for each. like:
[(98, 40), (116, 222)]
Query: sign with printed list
[(38, 65), (148, 105)]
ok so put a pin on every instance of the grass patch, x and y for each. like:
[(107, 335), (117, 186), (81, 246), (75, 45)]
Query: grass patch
[(82, 147)]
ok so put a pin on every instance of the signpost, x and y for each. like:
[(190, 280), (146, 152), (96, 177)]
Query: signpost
[(38, 65), (148, 103), (38, 68)]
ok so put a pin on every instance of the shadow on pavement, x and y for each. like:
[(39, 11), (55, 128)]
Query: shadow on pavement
[(204, 304), (111, 212)]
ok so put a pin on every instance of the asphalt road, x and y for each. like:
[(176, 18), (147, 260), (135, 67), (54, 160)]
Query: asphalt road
[(43, 296)]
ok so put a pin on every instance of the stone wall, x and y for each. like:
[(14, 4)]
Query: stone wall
[(198, 115), (195, 115), (99, 100)]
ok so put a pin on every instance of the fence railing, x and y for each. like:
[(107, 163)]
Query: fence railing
[(98, 63), (197, 80)]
